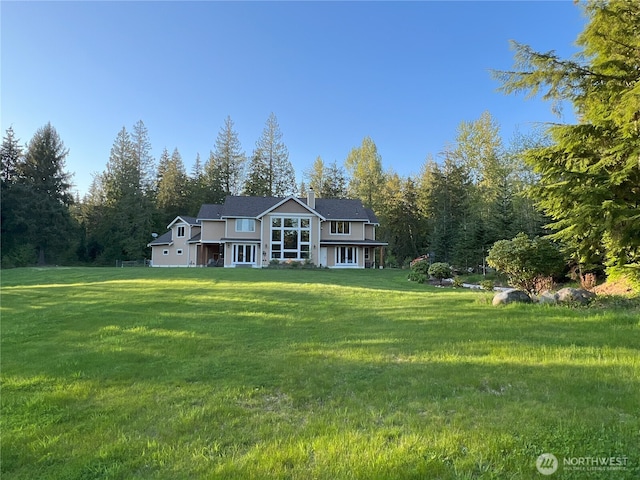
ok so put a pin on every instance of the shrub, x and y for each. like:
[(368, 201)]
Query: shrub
[(417, 277), (420, 266), (440, 271), (457, 281), (487, 285), (21, 256), (524, 260)]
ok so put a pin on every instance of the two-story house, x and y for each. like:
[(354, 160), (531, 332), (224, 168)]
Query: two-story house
[(254, 231)]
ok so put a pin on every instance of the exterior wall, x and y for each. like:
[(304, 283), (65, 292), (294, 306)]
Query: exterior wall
[(291, 207), (356, 232), (180, 244), (212, 230), (232, 233), (369, 232)]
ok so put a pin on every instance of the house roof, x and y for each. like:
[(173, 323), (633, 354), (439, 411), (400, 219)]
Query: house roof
[(250, 207), (164, 239), (344, 209), (253, 207), (210, 211)]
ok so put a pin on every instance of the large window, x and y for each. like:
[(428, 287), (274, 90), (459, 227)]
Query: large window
[(340, 228), (290, 238), (346, 256), (244, 253), (180, 231), (245, 225)]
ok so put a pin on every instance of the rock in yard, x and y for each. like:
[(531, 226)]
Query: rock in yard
[(574, 295), (511, 296), (548, 297)]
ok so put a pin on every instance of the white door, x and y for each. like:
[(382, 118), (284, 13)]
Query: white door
[(323, 256)]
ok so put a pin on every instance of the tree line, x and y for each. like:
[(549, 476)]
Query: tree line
[(453, 209), (579, 184)]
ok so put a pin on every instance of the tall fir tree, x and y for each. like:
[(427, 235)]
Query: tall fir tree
[(270, 173), (171, 195), (335, 182), (229, 159), (590, 176), (197, 187), (141, 152), (11, 195), (42, 210), (128, 219)]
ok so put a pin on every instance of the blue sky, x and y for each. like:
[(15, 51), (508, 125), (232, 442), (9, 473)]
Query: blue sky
[(404, 73)]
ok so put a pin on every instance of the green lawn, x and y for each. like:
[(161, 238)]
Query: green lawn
[(314, 374)]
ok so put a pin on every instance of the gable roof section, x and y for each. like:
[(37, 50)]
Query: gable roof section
[(210, 211), (184, 218), (294, 199)]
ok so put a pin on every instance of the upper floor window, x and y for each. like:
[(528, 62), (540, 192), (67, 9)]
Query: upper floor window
[(245, 225), (180, 231), (340, 228)]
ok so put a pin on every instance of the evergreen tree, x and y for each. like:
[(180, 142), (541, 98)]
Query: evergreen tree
[(257, 182), (335, 182), (401, 223), (229, 159), (214, 190), (590, 176), (128, 219), (10, 155), (141, 152), (12, 194), (92, 217), (42, 207), (171, 196), (270, 172), (197, 188)]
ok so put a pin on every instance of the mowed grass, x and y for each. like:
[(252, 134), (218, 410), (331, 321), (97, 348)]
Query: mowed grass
[(251, 374)]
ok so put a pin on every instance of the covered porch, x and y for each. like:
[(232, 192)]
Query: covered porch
[(210, 254)]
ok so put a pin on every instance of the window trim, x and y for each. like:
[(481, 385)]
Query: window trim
[(354, 256), (181, 228), (277, 248), (165, 252), (335, 230), (253, 248), (179, 251), (250, 224)]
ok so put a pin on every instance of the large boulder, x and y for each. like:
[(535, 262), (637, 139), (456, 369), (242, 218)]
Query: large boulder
[(574, 295), (511, 296)]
